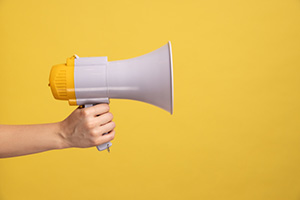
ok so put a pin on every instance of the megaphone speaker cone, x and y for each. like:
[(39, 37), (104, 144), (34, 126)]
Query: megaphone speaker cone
[(147, 78)]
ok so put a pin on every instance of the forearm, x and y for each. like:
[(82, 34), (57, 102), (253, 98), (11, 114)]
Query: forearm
[(17, 140), (83, 128)]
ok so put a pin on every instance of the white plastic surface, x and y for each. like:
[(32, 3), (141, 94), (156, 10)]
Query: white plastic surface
[(147, 78), (90, 80)]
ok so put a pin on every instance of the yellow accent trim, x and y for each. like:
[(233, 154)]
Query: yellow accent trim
[(61, 81)]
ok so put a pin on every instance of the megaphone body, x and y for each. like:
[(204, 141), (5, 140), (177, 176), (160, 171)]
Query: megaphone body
[(92, 80)]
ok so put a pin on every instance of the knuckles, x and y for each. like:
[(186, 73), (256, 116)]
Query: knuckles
[(84, 112), (94, 133), (105, 107), (93, 142), (110, 116), (112, 135), (113, 124), (90, 124)]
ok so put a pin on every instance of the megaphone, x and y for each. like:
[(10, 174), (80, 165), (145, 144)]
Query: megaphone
[(92, 80)]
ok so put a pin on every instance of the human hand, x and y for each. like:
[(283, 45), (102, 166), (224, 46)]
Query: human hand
[(85, 127)]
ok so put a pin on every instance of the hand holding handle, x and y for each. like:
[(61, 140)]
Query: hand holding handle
[(103, 146)]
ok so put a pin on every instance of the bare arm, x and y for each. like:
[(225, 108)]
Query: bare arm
[(83, 128)]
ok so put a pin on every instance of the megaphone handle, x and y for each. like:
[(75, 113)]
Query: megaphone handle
[(104, 146)]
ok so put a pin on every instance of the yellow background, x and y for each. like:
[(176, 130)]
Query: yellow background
[(235, 132)]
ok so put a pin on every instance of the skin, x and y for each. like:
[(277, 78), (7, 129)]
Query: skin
[(82, 128)]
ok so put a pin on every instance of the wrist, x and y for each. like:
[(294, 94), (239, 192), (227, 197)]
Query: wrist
[(63, 142)]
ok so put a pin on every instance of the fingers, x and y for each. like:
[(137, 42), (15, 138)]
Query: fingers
[(104, 118), (106, 138), (106, 128), (97, 120), (96, 110), (98, 115), (96, 136)]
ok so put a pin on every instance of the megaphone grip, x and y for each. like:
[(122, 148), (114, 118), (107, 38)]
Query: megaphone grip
[(106, 145)]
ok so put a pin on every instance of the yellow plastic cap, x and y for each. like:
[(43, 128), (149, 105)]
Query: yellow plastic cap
[(61, 81)]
